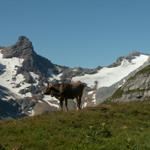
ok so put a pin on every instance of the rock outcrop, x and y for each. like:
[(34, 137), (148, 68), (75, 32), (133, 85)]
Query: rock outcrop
[(137, 87), (32, 61)]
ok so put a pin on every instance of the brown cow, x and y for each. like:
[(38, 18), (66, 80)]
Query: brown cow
[(65, 91)]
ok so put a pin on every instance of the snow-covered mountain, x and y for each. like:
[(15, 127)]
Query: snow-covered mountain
[(23, 75), (23, 72), (107, 76), (109, 79)]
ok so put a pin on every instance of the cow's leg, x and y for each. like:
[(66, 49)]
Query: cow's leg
[(61, 104), (66, 104), (78, 103)]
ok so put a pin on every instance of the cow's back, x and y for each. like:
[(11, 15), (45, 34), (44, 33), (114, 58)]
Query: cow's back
[(72, 90)]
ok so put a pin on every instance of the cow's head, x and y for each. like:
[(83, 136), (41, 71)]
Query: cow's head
[(47, 90), (52, 90)]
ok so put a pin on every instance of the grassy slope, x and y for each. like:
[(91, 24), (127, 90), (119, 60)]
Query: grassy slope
[(117, 127)]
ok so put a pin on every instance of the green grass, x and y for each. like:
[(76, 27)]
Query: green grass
[(117, 126)]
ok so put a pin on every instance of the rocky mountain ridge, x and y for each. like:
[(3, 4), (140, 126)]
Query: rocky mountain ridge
[(32, 61), (105, 93), (137, 87)]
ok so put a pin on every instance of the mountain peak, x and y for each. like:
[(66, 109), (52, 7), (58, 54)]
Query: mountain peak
[(32, 62), (23, 42), (129, 57), (22, 48)]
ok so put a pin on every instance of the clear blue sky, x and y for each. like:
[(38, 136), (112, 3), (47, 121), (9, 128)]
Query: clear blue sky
[(85, 33)]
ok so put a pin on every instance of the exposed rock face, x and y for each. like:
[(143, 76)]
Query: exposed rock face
[(8, 108), (22, 49), (137, 87), (105, 93), (69, 73), (32, 62)]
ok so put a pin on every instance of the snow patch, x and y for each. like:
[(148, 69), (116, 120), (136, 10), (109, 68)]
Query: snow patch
[(84, 105), (94, 99), (35, 77), (9, 77), (109, 76), (31, 113), (56, 77), (91, 92), (52, 101)]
